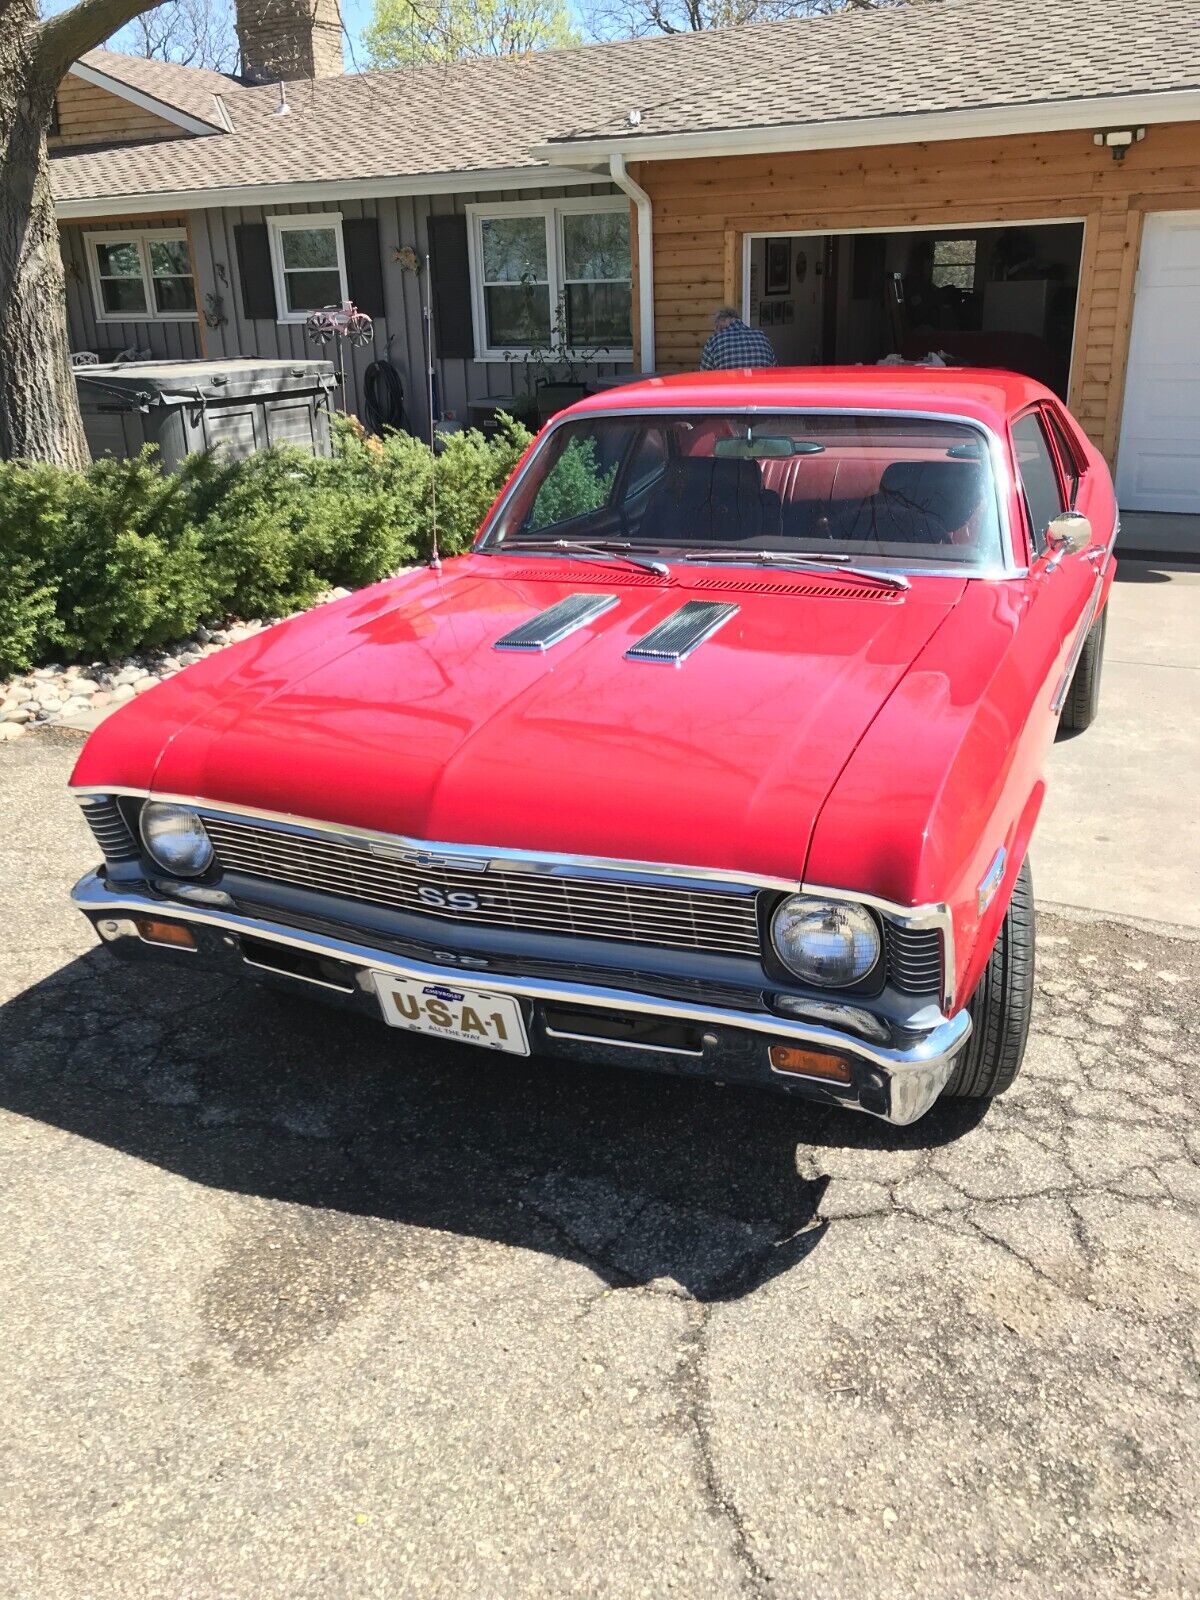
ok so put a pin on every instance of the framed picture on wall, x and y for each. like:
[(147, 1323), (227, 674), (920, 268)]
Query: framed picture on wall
[(779, 266)]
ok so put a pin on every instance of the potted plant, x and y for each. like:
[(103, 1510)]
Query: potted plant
[(553, 368)]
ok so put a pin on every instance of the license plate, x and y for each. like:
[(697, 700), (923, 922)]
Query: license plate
[(471, 1016)]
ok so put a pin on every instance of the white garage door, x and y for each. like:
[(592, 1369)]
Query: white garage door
[(1158, 464)]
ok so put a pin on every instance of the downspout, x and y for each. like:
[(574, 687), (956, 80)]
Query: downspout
[(645, 239)]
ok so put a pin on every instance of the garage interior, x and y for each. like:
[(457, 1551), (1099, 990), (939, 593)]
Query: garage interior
[(1002, 296)]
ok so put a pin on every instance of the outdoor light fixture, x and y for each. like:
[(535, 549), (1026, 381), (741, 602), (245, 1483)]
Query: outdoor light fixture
[(1118, 140)]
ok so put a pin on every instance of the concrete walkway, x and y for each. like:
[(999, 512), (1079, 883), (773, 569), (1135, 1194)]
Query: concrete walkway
[(1120, 831)]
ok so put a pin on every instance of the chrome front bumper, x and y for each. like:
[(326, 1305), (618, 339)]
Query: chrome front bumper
[(897, 1082)]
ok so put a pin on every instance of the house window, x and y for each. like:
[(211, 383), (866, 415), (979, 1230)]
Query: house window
[(596, 277), (142, 277), (954, 263), (515, 272), (552, 273), (309, 263)]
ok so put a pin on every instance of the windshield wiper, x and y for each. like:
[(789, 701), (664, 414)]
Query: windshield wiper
[(614, 551), (818, 562)]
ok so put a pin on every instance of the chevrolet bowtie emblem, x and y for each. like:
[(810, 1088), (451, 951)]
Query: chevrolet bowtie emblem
[(428, 858)]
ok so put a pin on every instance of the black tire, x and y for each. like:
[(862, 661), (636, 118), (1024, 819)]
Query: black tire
[(1083, 697), (1001, 1006)]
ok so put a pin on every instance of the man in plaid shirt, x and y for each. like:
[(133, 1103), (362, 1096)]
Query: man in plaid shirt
[(733, 344)]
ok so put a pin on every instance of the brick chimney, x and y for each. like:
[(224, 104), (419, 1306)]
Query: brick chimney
[(283, 40)]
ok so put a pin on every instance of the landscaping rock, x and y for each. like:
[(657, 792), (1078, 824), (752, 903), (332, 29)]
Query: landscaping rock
[(57, 693)]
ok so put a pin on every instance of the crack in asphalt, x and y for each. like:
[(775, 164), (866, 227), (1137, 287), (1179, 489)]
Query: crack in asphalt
[(387, 1163), (691, 1381)]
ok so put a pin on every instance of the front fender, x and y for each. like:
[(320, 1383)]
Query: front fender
[(949, 773)]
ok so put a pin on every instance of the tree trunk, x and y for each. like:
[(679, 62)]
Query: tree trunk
[(39, 407)]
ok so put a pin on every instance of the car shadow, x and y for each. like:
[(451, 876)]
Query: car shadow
[(1145, 567), (640, 1178)]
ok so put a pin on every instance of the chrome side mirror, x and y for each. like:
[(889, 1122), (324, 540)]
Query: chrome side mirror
[(1069, 533)]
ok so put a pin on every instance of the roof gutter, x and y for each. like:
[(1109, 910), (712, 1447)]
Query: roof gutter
[(322, 189), (645, 245), (977, 122)]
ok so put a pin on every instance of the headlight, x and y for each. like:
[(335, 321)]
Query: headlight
[(833, 943), (175, 837)]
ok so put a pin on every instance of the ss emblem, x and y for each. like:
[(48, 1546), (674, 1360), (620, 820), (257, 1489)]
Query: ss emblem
[(449, 899)]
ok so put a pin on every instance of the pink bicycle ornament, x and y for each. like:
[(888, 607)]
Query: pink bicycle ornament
[(340, 322)]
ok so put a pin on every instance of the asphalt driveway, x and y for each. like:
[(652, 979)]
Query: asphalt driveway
[(294, 1305)]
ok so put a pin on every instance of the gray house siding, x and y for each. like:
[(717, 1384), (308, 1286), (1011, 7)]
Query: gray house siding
[(174, 341), (399, 335)]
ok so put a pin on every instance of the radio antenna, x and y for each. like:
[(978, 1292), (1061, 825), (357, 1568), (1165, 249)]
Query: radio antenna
[(435, 560)]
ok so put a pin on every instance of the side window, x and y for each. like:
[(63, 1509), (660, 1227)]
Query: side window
[(1068, 454), (1039, 477)]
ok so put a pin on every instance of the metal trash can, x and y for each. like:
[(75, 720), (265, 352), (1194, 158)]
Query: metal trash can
[(236, 407)]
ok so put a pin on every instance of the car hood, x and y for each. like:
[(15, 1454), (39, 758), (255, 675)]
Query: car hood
[(393, 711)]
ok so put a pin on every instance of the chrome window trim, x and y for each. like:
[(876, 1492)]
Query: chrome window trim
[(1002, 478), (502, 858)]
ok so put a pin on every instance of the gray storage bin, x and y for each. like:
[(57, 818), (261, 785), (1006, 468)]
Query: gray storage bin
[(184, 406)]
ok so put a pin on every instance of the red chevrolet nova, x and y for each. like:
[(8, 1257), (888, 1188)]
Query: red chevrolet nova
[(720, 753)]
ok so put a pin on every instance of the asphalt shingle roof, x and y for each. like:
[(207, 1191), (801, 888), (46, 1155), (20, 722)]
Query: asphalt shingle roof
[(944, 55), (186, 89), (488, 115)]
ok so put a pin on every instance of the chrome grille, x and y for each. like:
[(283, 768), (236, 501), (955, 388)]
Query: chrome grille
[(914, 958), (111, 832), (704, 991), (593, 908)]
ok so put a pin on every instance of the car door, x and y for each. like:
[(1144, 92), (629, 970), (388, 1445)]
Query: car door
[(1065, 586)]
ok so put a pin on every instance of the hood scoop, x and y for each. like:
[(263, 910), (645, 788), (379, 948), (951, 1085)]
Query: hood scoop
[(557, 622), (676, 636)]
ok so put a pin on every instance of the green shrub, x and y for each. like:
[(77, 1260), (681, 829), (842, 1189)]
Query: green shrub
[(34, 507), (125, 557), (130, 570)]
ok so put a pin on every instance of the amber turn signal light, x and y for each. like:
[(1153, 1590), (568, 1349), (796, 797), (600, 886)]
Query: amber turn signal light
[(809, 1063), (172, 933)]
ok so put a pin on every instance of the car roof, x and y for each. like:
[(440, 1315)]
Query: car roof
[(978, 394)]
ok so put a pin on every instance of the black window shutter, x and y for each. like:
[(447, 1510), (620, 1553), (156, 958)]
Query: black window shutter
[(254, 269), (364, 270), (450, 268)]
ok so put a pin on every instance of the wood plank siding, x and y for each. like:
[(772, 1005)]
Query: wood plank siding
[(88, 114), (704, 208)]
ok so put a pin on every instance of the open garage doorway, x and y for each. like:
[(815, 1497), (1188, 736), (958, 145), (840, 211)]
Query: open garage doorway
[(984, 296)]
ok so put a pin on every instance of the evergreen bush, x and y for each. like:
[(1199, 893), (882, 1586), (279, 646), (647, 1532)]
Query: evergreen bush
[(125, 557)]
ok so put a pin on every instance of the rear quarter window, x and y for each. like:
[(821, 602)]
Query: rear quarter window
[(1038, 474)]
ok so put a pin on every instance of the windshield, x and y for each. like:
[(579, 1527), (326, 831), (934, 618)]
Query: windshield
[(884, 490)]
